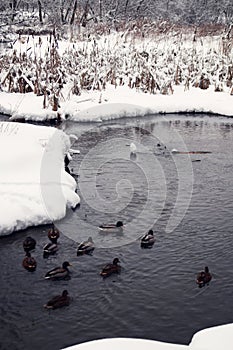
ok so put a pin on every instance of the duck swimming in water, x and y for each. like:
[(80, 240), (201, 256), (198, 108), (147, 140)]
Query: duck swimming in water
[(52, 247), (29, 244), (29, 263), (53, 234), (203, 277), (111, 268), (59, 273), (58, 301), (112, 227), (86, 247), (148, 239)]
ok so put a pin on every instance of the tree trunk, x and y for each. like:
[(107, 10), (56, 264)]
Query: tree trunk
[(101, 10), (62, 12), (13, 6), (139, 6), (83, 20), (40, 11), (126, 5), (74, 11), (68, 11), (116, 10)]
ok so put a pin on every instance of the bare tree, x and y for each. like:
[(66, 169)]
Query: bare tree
[(40, 11), (74, 11)]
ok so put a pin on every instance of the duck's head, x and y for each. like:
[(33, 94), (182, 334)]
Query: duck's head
[(206, 269), (66, 264), (150, 232), (116, 261), (90, 239), (119, 224), (65, 293), (28, 255)]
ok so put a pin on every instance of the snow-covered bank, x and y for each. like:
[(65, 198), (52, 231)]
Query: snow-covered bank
[(215, 338), (34, 187), (118, 103), (117, 75)]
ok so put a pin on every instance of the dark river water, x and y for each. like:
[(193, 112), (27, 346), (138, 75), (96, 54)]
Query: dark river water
[(187, 199)]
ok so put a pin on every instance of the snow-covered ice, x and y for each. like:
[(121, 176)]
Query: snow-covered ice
[(34, 187), (118, 103)]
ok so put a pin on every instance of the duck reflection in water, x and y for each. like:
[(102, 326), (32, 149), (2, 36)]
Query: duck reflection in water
[(133, 156), (133, 150)]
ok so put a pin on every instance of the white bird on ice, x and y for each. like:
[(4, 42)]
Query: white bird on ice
[(133, 148)]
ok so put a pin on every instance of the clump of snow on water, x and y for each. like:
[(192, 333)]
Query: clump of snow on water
[(34, 187), (214, 338)]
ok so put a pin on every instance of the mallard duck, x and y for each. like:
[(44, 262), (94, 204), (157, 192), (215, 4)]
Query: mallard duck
[(112, 227), (58, 301), (148, 239), (59, 272), (49, 249), (111, 268), (86, 247), (53, 234), (203, 277), (52, 247), (29, 263), (29, 244)]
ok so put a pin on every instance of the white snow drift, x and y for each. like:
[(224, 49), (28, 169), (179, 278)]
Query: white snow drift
[(34, 187)]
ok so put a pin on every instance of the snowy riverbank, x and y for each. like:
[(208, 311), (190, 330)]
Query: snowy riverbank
[(116, 75), (34, 187), (118, 103)]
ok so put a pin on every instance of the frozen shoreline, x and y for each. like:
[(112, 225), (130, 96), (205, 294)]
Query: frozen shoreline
[(118, 103), (116, 75), (34, 187)]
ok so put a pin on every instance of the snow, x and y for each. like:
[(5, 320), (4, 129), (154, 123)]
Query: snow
[(176, 63), (34, 187), (214, 338), (118, 103), (126, 344)]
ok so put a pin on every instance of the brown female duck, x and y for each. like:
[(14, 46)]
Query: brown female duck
[(111, 268), (29, 263), (203, 277), (29, 244), (58, 301)]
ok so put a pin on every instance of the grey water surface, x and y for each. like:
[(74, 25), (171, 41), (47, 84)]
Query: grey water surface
[(155, 296)]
